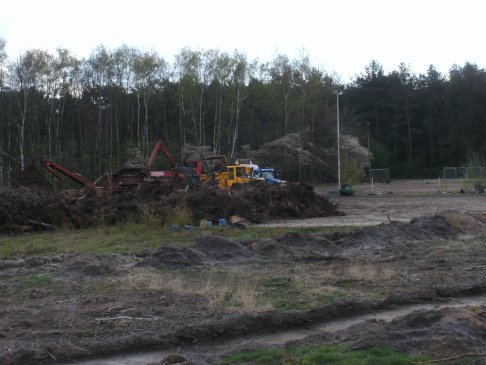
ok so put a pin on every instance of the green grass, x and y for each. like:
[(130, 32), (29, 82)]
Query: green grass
[(328, 354), (18, 287), (283, 293), (130, 237), (35, 281)]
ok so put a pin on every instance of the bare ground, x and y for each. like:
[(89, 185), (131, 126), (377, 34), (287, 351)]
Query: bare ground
[(67, 307)]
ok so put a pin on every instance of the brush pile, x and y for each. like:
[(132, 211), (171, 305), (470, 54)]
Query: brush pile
[(26, 209)]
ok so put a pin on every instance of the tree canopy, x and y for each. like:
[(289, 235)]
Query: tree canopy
[(90, 114)]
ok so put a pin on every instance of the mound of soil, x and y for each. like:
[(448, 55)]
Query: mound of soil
[(26, 209), (418, 229), (268, 247), (221, 249), (258, 202), (308, 246), (445, 332), (88, 265), (470, 224), (173, 257)]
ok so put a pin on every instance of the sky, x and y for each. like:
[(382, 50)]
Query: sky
[(340, 37)]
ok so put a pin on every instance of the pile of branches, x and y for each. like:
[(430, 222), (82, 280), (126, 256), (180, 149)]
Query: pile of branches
[(258, 202), (26, 209)]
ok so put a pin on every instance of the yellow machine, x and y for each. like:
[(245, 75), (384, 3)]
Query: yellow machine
[(234, 174), (214, 170)]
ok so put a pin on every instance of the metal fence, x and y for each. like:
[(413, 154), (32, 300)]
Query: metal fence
[(470, 172)]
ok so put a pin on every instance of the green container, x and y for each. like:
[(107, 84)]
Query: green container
[(346, 189)]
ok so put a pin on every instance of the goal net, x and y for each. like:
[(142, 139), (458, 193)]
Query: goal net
[(380, 175), (470, 172)]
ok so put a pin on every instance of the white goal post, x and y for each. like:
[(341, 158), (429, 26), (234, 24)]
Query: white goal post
[(380, 175)]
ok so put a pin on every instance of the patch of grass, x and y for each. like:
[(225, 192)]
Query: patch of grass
[(286, 293), (258, 357), (130, 237), (27, 285), (35, 281), (327, 354)]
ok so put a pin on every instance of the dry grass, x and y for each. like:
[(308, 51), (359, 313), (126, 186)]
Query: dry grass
[(140, 278), (369, 272)]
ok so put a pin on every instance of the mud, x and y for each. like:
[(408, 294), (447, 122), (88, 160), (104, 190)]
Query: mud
[(69, 307)]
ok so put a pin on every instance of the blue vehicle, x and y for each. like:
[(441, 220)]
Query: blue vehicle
[(268, 175)]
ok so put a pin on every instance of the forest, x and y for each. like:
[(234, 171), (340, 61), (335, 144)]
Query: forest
[(105, 112)]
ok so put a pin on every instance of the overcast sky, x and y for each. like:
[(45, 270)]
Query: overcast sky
[(339, 36)]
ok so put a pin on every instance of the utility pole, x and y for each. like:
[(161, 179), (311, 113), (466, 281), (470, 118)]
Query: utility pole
[(1, 166), (369, 151), (337, 93)]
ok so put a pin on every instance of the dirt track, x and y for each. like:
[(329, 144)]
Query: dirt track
[(71, 306), (398, 201)]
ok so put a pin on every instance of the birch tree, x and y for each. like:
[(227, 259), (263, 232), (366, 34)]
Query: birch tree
[(186, 74), (3, 58), (206, 69), (148, 70), (99, 74), (26, 73), (222, 75), (123, 60), (242, 72), (281, 74)]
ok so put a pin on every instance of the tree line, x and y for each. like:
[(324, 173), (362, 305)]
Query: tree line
[(97, 114)]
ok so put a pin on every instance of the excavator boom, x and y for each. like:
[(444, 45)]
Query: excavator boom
[(60, 172), (160, 146)]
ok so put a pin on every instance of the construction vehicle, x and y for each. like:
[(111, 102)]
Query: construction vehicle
[(234, 175), (266, 174), (127, 179), (185, 175), (132, 178), (215, 171), (208, 168), (61, 172)]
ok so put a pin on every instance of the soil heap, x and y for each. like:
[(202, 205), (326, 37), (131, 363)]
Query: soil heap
[(29, 208)]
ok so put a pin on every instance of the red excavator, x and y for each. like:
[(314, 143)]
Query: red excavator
[(60, 172), (185, 175), (132, 178)]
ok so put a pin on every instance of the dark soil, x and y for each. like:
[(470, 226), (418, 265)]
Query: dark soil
[(72, 306), (28, 209), (445, 332), (173, 257), (419, 229), (221, 249)]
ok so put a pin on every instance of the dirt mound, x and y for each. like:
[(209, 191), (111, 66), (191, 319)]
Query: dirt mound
[(258, 202), (418, 229), (221, 249), (308, 246), (472, 224), (173, 359), (270, 248), (173, 257), (83, 265), (26, 209), (443, 333)]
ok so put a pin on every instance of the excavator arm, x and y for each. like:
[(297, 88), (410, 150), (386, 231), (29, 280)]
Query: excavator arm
[(61, 172), (160, 146)]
